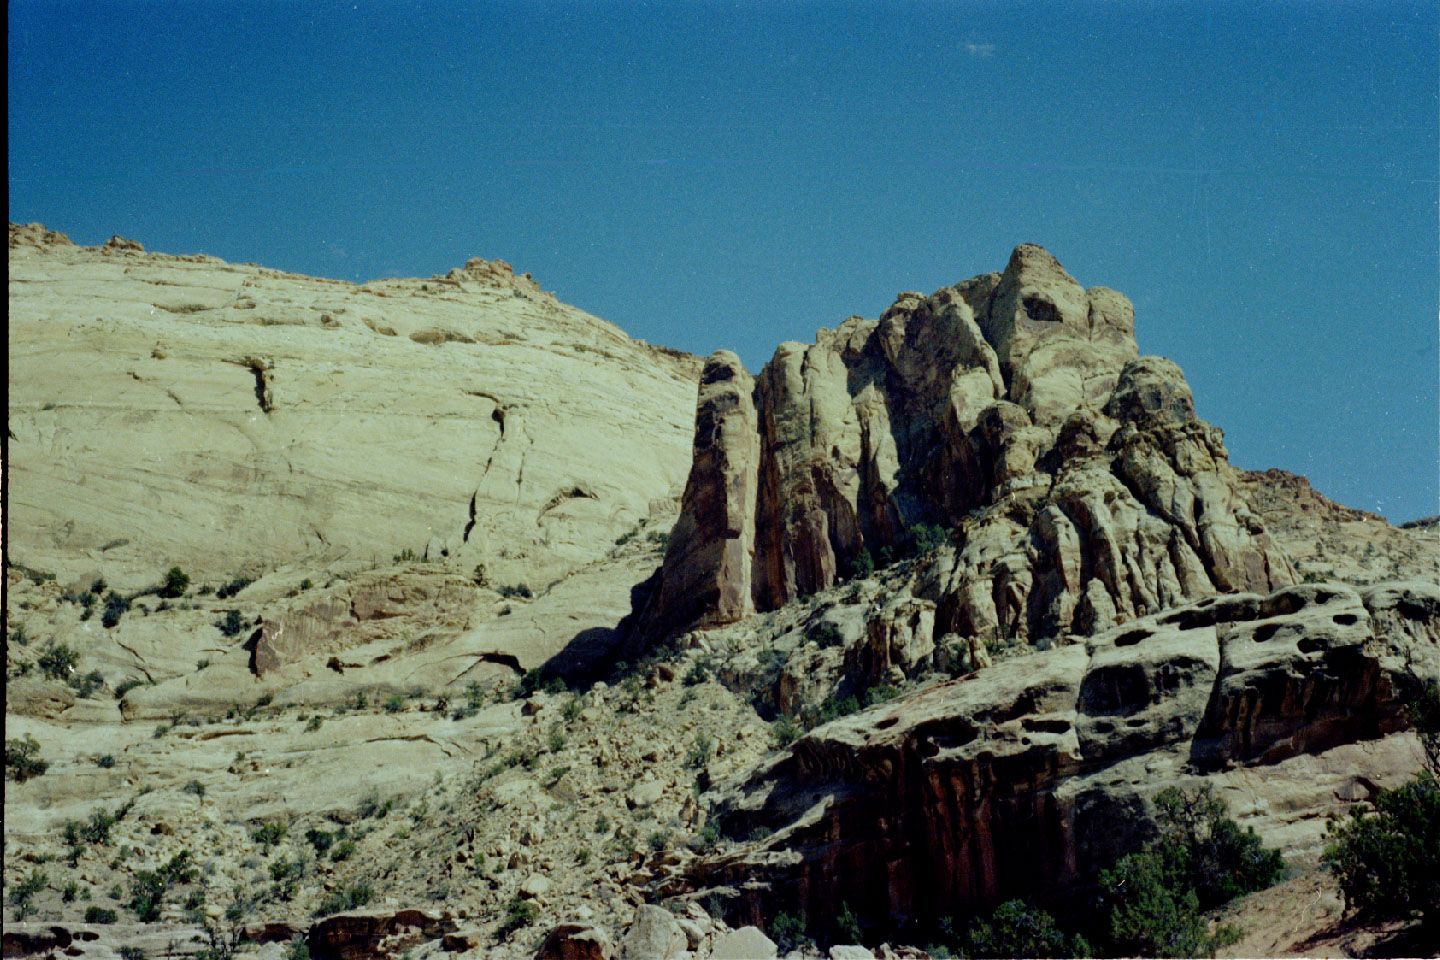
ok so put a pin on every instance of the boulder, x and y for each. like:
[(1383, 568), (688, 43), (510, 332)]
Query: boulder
[(747, 943), (653, 935), (576, 941)]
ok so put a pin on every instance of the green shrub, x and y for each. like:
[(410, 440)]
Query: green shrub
[(22, 759), (147, 894), (862, 566), (196, 788), (518, 913), (1387, 858), (832, 708), (86, 686), (927, 537), (696, 675), (788, 932), (105, 762), (21, 893), (232, 588), (708, 838), (322, 840), (269, 834), (116, 607), (1200, 860), (516, 590), (394, 703), (785, 731), (772, 660), (826, 634), (57, 661), (99, 915), (847, 925), (880, 693), (175, 585), (180, 869), (1019, 930), (231, 623), (351, 898), (659, 840), (126, 686), (700, 752), (343, 851)]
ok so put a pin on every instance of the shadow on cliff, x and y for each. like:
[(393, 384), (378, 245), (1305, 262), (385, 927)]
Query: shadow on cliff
[(594, 653)]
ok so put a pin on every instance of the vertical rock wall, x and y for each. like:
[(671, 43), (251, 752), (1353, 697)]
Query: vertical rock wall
[(1014, 410)]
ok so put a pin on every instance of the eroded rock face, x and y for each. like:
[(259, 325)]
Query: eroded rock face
[(426, 607), (1027, 777), (374, 933), (711, 549), (233, 419), (1012, 408)]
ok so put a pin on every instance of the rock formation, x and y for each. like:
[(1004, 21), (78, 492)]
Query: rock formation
[(1026, 778), (234, 419), (1012, 409), (1074, 601)]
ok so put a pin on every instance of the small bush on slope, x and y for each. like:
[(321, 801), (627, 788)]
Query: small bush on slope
[(1387, 859), (1201, 860)]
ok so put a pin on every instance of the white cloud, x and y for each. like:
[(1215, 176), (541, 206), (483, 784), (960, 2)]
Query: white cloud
[(979, 49)]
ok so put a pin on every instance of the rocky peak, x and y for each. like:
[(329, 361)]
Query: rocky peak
[(1011, 409), (479, 272), (35, 235)]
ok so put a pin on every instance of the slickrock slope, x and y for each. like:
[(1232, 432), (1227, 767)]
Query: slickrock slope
[(1326, 540), (1012, 408), (234, 419)]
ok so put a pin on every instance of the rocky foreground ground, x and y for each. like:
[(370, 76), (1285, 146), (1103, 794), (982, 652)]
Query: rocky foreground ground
[(425, 694)]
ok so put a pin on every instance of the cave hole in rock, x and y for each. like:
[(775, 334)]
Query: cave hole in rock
[(1188, 619), (1267, 631), (1346, 619), (1310, 644), (1132, 637), (1040, 309)]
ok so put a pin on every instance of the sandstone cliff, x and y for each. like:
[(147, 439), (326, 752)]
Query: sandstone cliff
[(1014, 411), (235, 419), (1026, 778)]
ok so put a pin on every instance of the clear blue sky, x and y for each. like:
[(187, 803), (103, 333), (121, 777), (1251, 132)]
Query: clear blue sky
[(1260, 178)]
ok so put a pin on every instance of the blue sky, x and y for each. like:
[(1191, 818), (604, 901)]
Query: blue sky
[(1259, 178)]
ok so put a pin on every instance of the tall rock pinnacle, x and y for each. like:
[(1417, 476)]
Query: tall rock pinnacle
[(1011, 409)]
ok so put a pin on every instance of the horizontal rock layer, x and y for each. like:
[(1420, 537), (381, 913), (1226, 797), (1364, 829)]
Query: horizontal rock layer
[(1026, 778)]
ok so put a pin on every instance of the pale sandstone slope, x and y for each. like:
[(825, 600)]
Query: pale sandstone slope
[(230, 418)]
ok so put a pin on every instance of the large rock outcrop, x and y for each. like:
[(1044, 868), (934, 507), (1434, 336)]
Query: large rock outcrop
[(1011, 408), (231, 419), (1026, 778)]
